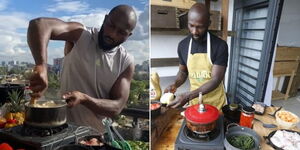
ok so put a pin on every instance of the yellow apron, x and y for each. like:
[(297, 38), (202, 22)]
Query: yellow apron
[(199, 67)]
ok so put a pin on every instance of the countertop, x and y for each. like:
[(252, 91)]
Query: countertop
[(166, 141)]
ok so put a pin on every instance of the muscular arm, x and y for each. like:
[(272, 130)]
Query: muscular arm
[(118, 96), (218, 73), (180, 79), (41, 30), (181, 76)]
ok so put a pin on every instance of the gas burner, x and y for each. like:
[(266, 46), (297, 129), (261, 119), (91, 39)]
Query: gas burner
[(28, 137), (201, 137), (188, 140), (28, 130)]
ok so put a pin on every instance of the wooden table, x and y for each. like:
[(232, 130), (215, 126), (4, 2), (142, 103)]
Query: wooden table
[(167, 140)]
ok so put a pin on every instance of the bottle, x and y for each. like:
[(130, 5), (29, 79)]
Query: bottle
[(247, 116), (155, 90), (27, 92)]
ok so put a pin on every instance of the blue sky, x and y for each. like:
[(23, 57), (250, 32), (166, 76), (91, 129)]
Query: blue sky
[(15, 15)]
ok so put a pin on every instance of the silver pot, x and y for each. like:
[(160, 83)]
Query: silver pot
[(46, 117)]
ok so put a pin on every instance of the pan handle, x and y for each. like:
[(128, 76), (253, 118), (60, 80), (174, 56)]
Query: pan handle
[(231, 125)]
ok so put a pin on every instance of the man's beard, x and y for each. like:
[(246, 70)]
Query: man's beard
[(199, 37), (103, 44)]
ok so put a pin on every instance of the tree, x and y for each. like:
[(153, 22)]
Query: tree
[(3, 70)]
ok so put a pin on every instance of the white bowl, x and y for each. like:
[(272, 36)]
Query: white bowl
[(286, 119)]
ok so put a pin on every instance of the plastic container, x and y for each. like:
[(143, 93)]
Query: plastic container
[(259, 108)]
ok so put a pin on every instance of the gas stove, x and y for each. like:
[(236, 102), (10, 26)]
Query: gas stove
[(31, 138), (188, 140)]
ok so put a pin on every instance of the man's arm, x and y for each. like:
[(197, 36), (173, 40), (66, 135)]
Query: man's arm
[(218, 73), (108, 107), (40, 31), (180, 79)]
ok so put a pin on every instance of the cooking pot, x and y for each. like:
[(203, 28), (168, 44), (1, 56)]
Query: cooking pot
[(201, 118), (239, 130), (46, 117)]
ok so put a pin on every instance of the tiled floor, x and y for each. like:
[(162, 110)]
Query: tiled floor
[(292, 104)]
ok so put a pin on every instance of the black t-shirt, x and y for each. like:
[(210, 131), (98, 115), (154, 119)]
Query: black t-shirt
[(219, 50)]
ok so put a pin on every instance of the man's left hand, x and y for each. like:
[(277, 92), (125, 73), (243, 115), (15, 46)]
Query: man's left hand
[(179, 101), (74, 98)]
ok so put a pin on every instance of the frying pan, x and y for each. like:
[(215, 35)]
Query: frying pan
[(239, 130)]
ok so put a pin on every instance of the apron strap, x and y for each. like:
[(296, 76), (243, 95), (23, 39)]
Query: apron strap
[(208, 48)]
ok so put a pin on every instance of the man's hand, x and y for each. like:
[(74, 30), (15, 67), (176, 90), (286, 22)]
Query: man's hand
[(180, 100), (171, 88), (39, 81), (74, 98)]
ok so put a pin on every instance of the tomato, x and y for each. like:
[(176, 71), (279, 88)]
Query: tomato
[(12, 121), (155, 106), (5, 146)]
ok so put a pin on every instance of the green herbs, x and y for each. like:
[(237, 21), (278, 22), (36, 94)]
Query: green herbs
[(243, 142), (138, 145)]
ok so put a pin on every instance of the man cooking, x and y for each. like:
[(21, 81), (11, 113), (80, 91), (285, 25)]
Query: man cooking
[(97, 70), (203, 59)]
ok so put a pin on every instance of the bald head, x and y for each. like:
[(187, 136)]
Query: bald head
[(117, 26), (198, 20), (125, 14), (199, 10)]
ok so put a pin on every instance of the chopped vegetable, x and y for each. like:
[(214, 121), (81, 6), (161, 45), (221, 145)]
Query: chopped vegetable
[(243, 142), (138, 145), (155, 106)]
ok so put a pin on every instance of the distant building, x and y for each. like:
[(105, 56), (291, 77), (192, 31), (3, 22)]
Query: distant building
[(11, 63), (57, 64), (3, 63)]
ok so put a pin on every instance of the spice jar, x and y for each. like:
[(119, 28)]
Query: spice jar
[(247, 116)]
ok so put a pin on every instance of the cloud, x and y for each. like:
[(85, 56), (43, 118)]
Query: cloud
[(13, 21), (13, 28), (68, 6), (139, 49), (89, 20), (3, 4), (141, 30), (13, 43)]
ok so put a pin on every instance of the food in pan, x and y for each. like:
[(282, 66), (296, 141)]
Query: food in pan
[(286, 140), (46, 104), (243, 142), (259, 107), (91, 142)]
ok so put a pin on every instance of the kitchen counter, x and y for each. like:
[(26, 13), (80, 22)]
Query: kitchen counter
[(167, 140)]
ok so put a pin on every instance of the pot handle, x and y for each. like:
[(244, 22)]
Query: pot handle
[(231, 125)]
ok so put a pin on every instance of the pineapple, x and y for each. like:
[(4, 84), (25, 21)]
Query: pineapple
[(16, 104), (15, 116)]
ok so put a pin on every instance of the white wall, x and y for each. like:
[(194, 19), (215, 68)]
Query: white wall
[(289, 29), (289, 33)]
